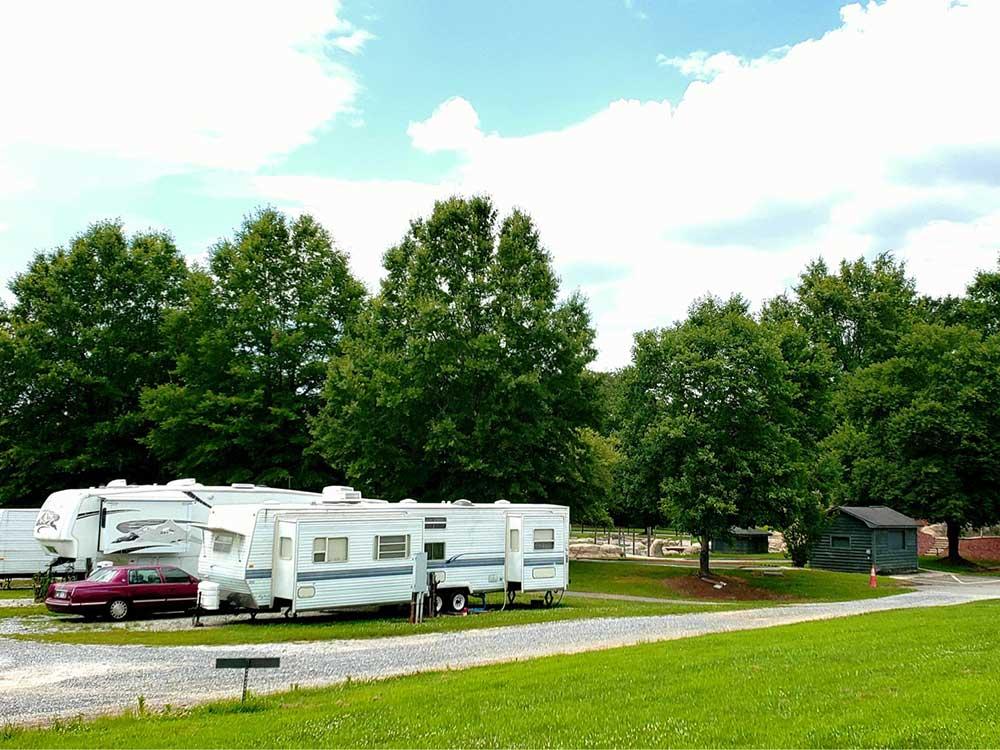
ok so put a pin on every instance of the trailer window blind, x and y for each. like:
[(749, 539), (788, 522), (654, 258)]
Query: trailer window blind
[(435, 522), (434, 550), (222, 543), (544, 539), (330, 549), (394, 547)]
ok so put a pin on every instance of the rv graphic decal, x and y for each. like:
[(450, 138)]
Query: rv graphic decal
[(155, 531), (46, 519)]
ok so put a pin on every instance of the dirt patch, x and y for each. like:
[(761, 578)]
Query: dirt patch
[(735, 590)]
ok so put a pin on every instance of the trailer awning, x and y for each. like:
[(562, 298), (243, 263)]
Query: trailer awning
[(215, 529)]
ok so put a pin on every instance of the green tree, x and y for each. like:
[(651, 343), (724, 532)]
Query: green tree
[(710, 422), (465, 377), (81, 340), (253, 342), (922, 432), (860, 312)]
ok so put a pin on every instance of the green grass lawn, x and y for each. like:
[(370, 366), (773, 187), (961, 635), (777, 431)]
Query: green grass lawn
[(33, 609), (969, 567), (16, 593), (919, 678), (355, 624), (672, 582)]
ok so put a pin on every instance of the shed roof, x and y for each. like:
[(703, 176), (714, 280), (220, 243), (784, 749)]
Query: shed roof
[(879, 517), (739, 531)]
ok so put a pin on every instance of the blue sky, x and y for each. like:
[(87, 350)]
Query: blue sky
[(666, 149)]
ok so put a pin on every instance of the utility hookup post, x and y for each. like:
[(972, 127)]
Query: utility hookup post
[(246, 664)]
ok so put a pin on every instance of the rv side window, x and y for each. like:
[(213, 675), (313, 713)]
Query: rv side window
[(285, 547), (394, 547), (330, 549), (222, 543), (434, 550), (544, 539), (435, 522)]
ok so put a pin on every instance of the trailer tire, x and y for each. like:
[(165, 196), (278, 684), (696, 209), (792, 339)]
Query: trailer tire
[(438, 604), (457, 600), (118, 610)]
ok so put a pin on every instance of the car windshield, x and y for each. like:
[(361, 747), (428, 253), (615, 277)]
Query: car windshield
[(102, 574)]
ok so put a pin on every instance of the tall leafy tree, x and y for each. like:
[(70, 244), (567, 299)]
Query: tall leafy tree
[(81, 340), (465, 377), (253, 342), (922, 432), (711, 422), (860, 312)]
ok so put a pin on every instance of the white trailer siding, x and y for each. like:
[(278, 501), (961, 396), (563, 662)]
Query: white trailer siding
[(362, 578), (20, 554), (546, 544), (473, 542)]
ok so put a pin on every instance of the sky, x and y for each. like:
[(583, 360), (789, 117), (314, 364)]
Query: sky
[(666, 149)]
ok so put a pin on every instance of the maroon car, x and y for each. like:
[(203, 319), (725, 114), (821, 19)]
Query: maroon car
[(121, 591)]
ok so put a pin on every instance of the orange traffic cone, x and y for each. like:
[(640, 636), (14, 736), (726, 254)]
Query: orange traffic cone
[(872, 581)]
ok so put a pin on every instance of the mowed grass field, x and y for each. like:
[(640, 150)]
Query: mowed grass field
[(918, 678), (671, 582), (969, 567)]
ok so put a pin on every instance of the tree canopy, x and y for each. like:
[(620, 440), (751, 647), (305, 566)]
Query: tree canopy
[(252, 343), (82, 339), (466, 375)]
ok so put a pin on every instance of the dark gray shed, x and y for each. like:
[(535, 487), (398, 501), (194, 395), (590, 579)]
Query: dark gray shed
[(743, 541), (858, 537)]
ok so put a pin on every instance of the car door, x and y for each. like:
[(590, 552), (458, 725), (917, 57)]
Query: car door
[(146, 588), (181, 590)]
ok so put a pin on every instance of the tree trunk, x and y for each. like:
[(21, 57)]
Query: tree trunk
[(703, 556), (954, 532)]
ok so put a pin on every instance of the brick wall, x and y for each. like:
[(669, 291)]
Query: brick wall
[(981, 548)]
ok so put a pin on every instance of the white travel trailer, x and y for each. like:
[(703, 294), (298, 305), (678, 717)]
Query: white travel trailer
[(141, 523), (361, 552), (20, 555)]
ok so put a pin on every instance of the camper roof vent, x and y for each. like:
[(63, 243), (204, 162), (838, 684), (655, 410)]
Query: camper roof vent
[(117, 483), (464, 503), (186, 482), (342, 494), (407, 501), (502, 502), (243, 485)]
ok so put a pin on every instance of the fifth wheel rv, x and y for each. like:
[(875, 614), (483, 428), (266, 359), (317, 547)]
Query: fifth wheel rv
[(264, 557), (151, 524)]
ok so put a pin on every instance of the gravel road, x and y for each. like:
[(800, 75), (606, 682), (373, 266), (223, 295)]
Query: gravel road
[(39, 681)]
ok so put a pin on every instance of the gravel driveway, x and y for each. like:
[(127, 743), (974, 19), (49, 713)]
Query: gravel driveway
[(45, 680)]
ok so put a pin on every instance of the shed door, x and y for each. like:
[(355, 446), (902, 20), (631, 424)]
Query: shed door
[(514, 549)]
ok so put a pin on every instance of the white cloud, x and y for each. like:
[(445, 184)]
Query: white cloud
[(353, 42), (227, 84), (873, 137), (702, 65), (454, 126)]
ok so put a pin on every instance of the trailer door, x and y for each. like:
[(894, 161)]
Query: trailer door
[(286, 541), (514, 549)]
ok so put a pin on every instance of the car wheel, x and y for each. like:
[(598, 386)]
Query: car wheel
[(118, 609), (457, 601)]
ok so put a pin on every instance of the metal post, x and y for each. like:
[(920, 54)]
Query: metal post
[(246, 677)]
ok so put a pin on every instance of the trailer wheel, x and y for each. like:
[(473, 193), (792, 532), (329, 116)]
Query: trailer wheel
[(548, 598), (457, 601), (438, 603), (118, 610), (511, 595)]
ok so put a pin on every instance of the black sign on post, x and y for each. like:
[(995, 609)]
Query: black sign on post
[(246, 664)]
